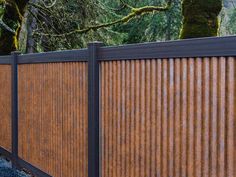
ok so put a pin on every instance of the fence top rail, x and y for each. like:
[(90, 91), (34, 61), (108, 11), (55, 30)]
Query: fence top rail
[(57, 56), (5, 60), (198, 47), (188, 48)]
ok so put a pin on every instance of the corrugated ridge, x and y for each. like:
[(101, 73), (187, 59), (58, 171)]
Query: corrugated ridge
[(53, 117), (169, 117), (5, 107)]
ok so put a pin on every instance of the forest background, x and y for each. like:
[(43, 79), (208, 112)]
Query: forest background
[(44, 19)]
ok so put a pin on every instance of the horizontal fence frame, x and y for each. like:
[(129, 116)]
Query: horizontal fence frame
[(54, 57), (200, 47), (187, 48), (5, 60)]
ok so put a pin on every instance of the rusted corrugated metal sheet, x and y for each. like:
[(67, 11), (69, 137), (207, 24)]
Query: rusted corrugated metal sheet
[(53, 117), (5, 107), (168, 117)]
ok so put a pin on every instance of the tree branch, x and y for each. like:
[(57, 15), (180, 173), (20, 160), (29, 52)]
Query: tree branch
[(49, 6), (4, 25), (134, 12), (39, 7), (126, 4)]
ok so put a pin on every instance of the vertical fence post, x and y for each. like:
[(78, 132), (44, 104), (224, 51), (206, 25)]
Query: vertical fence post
[(14, 106), (93, 110)]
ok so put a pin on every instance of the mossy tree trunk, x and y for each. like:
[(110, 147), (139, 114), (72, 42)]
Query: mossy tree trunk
[(13, 16), (200, 18)]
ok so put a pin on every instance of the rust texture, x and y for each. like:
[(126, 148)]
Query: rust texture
[(168, 117), (53, 117), (5, 107)]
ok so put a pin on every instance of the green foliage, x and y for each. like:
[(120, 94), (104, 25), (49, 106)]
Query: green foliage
[(232, 22), (151, 27), (228, 21), (2, 11), (66, 16)]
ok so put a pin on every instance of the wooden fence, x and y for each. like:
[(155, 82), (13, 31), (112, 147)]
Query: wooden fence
[(147, 110)]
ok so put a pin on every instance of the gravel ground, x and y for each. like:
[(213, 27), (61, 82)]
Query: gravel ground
[(6, 170)]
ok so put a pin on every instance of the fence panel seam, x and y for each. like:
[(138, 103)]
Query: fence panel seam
[(93, 111), (15, 106)]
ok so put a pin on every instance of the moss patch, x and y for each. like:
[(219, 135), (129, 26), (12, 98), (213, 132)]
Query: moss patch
[(12, 16), (200, 18)]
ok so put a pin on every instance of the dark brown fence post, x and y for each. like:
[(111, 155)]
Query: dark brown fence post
[(15, 106), (93, 110)]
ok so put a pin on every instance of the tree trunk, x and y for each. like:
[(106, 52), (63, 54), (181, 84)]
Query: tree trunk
[(12, 17), (31, 26), (200, 18)]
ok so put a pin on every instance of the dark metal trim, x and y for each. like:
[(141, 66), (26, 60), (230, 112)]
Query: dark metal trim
[(200, 47), (25, 165), (93, 111), (54, 57), (21, 164), (5, 153), (15, 104), (5, 60)]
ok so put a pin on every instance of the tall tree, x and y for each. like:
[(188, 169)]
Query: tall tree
[(11, 17), (31, 24)]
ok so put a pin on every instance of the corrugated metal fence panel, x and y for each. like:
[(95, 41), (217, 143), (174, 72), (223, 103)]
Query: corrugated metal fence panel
[(168, 117), (5, 107), (53, 117)]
